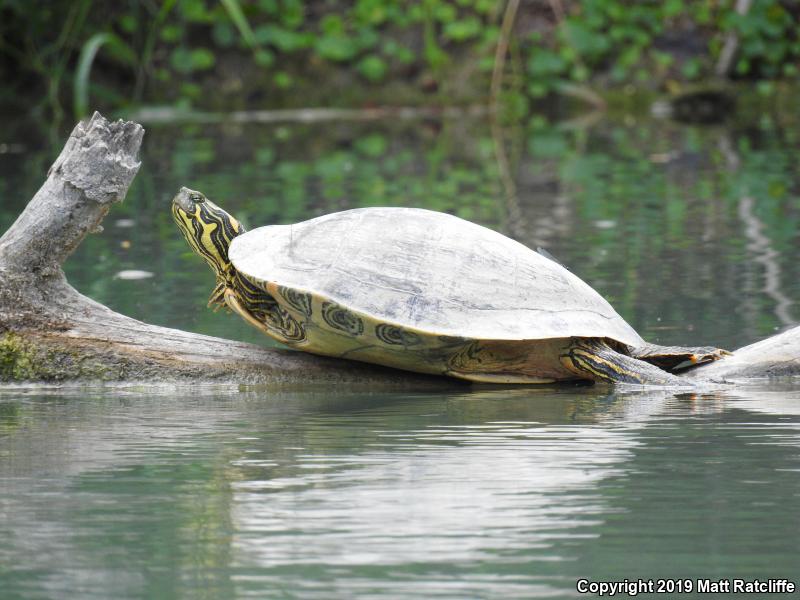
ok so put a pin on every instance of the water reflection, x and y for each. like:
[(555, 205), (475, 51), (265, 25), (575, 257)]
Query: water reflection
[(489, 493)]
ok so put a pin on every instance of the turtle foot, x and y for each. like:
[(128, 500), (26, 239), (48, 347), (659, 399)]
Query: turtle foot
[(672, 358), (707, 354)]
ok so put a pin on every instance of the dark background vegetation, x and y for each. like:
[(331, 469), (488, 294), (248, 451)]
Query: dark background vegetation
[(59, 58)]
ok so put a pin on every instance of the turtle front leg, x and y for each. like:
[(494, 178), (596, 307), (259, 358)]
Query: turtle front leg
[(591, 358), (217, 298), (670, 357)]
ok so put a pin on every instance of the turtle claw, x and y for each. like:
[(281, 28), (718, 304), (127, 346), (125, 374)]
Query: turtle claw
[(702, 355)]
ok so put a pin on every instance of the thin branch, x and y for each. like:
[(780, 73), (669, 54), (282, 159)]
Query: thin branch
[(731, 44), (306, 115), (501, 52)]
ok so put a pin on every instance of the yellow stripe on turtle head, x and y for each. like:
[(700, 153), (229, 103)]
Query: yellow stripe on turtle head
[(208, 229)]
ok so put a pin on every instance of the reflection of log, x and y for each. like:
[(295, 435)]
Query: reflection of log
[(49, 331)]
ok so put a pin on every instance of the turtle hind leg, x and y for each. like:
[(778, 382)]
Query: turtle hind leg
[(594, 359), (670, 358)]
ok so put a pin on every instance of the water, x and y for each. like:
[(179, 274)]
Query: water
[(467, 492), (319, 494)]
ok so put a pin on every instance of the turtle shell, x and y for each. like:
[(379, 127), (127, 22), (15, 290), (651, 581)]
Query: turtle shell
[(431, 272)]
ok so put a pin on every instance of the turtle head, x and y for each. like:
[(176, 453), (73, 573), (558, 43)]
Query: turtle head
[(209, 231)]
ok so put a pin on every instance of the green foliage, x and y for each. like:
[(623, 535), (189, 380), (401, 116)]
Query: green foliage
[(234, 11), (184, 60), (642, 42), (769, 43), (372, 67), (85, 60), (166, 49)]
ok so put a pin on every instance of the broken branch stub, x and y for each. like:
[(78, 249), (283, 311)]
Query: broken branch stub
[(94, 170)]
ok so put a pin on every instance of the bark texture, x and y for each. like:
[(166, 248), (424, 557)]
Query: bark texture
[(776, 356), (51, 332)]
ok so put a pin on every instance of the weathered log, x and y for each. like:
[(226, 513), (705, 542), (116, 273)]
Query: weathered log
[(51, 332), (775, 356)]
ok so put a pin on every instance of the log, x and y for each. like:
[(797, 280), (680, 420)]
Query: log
[(775, 356), (50, 332)]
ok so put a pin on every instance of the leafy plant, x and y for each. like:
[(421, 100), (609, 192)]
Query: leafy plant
[(176, 47)]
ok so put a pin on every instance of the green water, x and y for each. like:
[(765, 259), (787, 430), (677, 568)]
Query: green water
[(321, 494), (469, 492)]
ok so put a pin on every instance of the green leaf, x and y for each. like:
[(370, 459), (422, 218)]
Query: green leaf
[(282, 80), (223, 34), (372, 67), (585, 41), (171, 33), (691, 68), (549, 143), (186, 61), (88, 53), (190, 90), (672, 8), (366, 38), (264, 155), (202, 59), (539, 89), (127, 23), (336, 47), (462, 30), (195, 11), (395, 50), (486, 7), (373, 12), (292, 13), (283, 39), (263, 57), (269, 7), (236, 14), (663, 59), (443, 12), (331, 24), (545, 62), (373, 145)]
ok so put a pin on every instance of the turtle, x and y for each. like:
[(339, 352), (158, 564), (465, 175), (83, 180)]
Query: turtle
[(423, 291)]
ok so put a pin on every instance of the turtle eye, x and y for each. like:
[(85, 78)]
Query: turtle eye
[(197, 198)]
